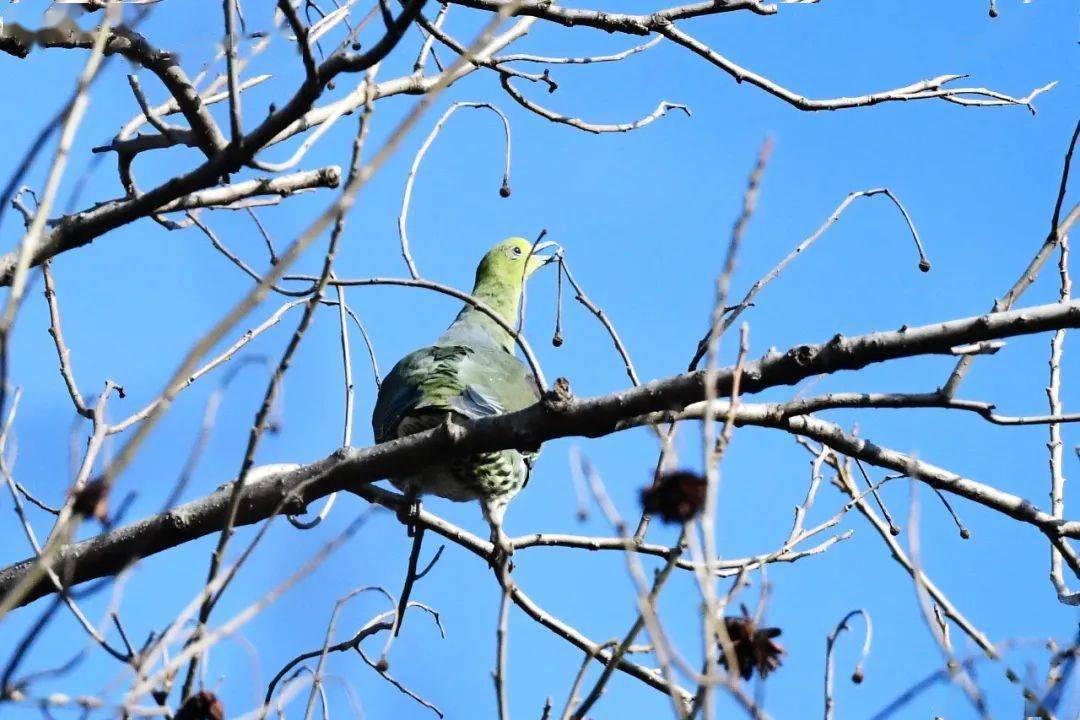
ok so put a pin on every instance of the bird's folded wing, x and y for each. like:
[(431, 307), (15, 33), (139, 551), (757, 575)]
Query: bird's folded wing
[(474, 382)]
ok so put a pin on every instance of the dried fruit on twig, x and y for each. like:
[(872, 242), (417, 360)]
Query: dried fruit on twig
[(92, 500), (753, 647), (201, 706), (675, 497)]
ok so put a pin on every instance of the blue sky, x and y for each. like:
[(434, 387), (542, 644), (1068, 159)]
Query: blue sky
[(644, 218)]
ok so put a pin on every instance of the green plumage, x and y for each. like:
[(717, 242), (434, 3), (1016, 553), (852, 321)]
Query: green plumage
[(469, 372)]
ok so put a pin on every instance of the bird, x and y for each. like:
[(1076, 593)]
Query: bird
[(470, 372)]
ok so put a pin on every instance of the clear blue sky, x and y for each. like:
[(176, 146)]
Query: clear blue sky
[(644, 218)]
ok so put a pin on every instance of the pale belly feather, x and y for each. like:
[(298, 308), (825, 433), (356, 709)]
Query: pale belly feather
[(493, 478)]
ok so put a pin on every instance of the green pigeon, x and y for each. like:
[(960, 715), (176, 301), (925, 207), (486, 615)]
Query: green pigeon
[(470, 372)]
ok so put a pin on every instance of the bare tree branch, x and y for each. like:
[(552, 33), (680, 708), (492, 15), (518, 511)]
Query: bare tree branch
[(560, 416)]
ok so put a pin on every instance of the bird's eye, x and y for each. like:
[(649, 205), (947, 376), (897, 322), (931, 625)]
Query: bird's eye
[(517, 250)]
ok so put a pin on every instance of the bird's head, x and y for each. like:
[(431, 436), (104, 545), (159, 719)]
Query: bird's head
[(500, 284), (512, 261)]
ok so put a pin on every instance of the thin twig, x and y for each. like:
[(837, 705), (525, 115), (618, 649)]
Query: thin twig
[(935, 618), (748, 299), (1056, 445), (260, 424), (830, 644), (236, 127), (62, 351), (582, 298), (410, 179), (1058, 228)]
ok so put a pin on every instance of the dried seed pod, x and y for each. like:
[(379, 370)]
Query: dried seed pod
[(753, 647), (92, 501), (202, 705), (675, 497)]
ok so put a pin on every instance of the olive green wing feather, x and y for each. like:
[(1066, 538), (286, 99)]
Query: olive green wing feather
[(473, 382)]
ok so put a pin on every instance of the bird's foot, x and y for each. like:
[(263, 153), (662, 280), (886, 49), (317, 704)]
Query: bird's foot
[(409, 515), (502, 551)]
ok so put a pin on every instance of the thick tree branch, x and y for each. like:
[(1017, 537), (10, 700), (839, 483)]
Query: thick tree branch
[(560, 415), (124, 41), (82, 228), (614, 21), (936, 87), (663, 23), (281, 186), (844, 443), (298, 115), (62, 236)]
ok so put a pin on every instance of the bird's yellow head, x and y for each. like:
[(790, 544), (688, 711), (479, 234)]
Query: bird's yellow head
[(501, 276), (511, 262)]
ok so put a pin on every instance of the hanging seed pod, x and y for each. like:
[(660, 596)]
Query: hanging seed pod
[(557, 338)]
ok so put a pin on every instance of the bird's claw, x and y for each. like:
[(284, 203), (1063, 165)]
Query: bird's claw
[(501, 553), (409, 515)]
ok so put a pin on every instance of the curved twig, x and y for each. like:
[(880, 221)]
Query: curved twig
[(660, 111), (406, 199), (830, 645), (526, 349)]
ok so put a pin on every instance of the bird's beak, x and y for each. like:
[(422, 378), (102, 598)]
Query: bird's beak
[(537, 260)]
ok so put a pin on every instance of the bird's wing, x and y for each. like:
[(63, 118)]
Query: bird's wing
[(474, 382)]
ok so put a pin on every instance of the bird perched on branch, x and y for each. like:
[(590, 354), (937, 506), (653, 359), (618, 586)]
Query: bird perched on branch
[(470, 372)]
